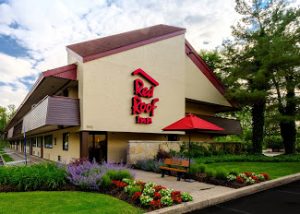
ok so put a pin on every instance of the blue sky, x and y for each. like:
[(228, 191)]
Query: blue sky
[(34, 33)]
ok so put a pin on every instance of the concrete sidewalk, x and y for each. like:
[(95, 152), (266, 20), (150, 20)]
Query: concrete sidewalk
[(19, 157), (206, 199), (205, 195), (200, 191)]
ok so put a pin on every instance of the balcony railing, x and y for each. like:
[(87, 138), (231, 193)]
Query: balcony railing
[(52, 111)]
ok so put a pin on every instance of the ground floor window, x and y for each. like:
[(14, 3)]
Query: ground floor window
[(65, 141), (39, 142), (48, 141)]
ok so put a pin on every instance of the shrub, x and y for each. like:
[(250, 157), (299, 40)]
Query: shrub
[(221, 174), (45, 176), (161, 155), (149, 165), (210, 173), (86, 175), (89, 175), (186, 197), (106, 181), (234, 172), (248, 158), (118, 174), (194, 169), (273, 142), (166, 201), (202, 168), (132, 189)]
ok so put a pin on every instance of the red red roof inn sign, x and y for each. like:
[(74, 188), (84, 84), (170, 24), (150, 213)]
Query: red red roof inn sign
[(141, 92)]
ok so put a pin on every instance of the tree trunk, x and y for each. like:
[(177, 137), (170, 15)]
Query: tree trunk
[(288, 134), (258, 122), (287, 124)]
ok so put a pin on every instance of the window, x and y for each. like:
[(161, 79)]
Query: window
[(33, 141), (48, 142), (40, 142), (66, 141)]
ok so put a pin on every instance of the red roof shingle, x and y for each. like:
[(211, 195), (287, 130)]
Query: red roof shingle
[(98, 48)]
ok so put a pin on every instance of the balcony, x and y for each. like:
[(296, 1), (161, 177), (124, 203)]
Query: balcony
[(51, 112)]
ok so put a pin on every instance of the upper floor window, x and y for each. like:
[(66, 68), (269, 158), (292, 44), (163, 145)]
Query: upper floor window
[(66, 141)]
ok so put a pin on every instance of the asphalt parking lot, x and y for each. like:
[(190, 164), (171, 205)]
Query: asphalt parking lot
[(284, 200)]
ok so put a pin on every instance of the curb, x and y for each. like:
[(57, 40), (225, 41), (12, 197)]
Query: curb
[(238, 193)]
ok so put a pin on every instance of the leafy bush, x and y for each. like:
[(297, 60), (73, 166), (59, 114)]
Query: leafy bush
[(234, 172), (210, 173), (149, 165), (248, 158), (118, 174), (46, 176), (221, 174), (86, 175), (186, 197), (205, 149), (273, 142), (106, 181), (131, 189), (89, 175), (197, 168), (161, 155)]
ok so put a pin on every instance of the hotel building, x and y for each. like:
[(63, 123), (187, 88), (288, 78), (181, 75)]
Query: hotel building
[(117, 89)]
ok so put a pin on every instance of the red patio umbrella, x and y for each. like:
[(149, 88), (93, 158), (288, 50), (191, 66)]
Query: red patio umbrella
[(191, 123)]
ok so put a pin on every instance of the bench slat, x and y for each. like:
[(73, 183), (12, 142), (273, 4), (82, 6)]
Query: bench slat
[(173, 169)]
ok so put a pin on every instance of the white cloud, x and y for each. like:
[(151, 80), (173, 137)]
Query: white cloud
[(12, 69), (46, 27)]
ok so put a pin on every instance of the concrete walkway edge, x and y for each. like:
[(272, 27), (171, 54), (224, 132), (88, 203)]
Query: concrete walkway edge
[(220, 198)]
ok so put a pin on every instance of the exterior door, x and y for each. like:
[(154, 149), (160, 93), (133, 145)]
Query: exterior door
[(97, 146)]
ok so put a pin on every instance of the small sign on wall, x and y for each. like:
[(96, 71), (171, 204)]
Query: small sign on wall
[(142, 92)]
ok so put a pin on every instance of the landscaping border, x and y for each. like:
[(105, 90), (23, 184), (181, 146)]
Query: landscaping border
[(237, 193)]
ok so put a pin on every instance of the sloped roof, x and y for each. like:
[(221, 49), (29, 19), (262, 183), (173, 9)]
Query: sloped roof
[(47, 84), (101, 47)]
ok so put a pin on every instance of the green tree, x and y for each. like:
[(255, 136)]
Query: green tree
[(3, 120), (264, 45), (284, 63), (11, 111)]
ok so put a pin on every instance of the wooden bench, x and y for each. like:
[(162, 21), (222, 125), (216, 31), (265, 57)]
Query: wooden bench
[(175, 165)]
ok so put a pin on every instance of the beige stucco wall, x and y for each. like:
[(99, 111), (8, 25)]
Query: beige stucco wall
[(142, 150), (199, 88), (73, 92), (57, 150), (118, 144), (106, 87)]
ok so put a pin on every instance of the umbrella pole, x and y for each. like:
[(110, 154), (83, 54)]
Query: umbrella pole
[(189, 152)]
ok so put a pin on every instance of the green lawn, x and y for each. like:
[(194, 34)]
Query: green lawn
[(274, 169), (7, 158), (62, 202)]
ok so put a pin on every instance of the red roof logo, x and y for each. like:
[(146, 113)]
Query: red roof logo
[(141, 72)]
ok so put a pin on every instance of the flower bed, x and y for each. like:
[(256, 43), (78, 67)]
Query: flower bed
[(113, 179), (149, 196), (248, 178), (231, 179)]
